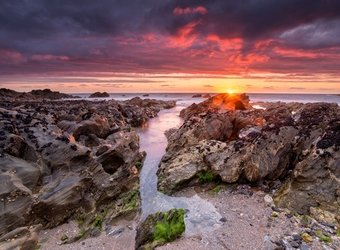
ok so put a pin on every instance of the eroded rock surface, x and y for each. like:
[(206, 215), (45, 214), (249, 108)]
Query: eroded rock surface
[(297, 144), (60, 160)]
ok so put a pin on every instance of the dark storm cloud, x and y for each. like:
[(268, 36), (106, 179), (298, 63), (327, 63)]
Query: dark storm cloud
[(41, 20), (317, 35), (86, 35), (251, 19)]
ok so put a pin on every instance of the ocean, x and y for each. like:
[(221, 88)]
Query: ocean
[(185, 99)]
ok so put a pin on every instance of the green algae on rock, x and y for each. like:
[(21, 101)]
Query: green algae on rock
[(160, 228)]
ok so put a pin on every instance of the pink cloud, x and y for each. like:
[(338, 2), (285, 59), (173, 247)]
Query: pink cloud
[(249, 59), (11, 57), (226, 44), (48, 57), (185, 36), (285, 52)]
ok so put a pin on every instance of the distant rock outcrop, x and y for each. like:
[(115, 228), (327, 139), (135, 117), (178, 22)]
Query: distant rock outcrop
[(201, 96), (49, 94), (33, 95), (99, 95), (298, 143)]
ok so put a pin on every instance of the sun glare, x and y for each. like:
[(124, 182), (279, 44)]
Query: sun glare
[(230, 91)]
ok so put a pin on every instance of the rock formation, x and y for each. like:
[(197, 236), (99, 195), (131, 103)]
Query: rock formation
[(34, 94), (69, 159), (230, 141), (99, 95)]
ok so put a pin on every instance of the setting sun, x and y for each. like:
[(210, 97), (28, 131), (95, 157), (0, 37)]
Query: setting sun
[(230, 91)]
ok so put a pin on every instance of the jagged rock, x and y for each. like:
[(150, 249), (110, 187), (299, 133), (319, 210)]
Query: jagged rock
[(59, 200), (298, 143), (315, 183), (232, 161), (72, 158), (17, 147), (99, 95), (98, 126), (220, 102)]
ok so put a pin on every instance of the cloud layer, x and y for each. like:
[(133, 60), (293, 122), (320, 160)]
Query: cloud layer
[(194, 36)]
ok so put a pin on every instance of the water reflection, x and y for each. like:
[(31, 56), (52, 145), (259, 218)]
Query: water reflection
[(202, 215)]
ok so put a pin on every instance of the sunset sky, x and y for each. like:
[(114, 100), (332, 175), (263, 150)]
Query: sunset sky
[(75, 46)]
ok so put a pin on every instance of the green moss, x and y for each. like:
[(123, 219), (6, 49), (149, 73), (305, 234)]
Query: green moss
[(131, 200), (306, 220), (216, 189), (205, 177), (98, 222), (80, 219), (338, 232), (170, 227), (323, 237), (64, 239), (81, 233), (139, 165)]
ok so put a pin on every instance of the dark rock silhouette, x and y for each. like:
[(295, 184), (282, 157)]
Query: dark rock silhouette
[(99, 95)]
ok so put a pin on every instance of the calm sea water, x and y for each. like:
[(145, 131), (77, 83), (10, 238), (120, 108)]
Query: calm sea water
[(185, 99)]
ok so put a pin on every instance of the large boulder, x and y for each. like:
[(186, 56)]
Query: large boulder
[(297, 144), (97, 125)]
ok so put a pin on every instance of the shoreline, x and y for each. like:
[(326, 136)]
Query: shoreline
[(134, 113)]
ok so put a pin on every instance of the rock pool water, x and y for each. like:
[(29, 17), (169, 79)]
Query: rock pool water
[(202, 215)]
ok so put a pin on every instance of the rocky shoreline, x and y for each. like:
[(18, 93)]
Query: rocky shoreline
[(291, 150), (70, 173), (64, 160)]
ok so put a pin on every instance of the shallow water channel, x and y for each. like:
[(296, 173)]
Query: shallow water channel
[(201, 215)]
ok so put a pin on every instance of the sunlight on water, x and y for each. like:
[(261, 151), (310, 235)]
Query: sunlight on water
[(202, 215)]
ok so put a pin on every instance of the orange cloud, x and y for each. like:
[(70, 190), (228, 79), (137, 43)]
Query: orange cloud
[(184, 36), (295, 53), (226, 44)]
